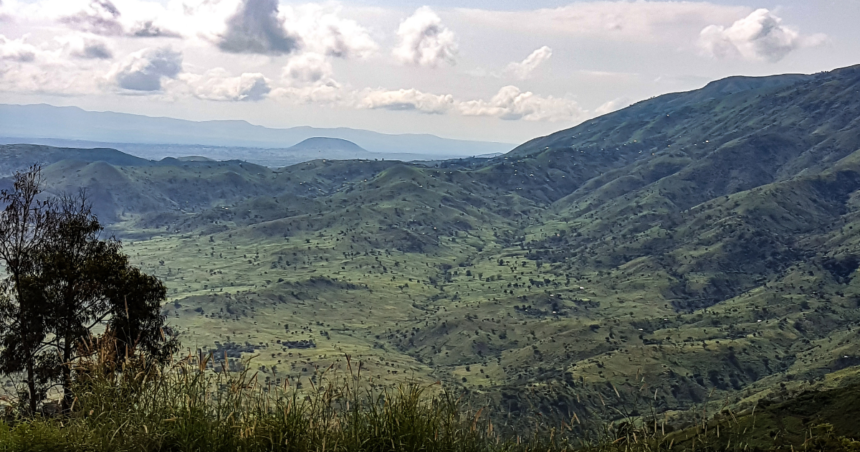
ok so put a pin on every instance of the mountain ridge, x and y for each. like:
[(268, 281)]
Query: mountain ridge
[(74, 123)]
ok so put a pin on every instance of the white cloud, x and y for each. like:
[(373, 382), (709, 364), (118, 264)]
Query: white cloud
[(329, 93), (151, 29), (612, 105), (636, 21), (17, 50), (94, 50), (218, 85), (424, 40), (130, 18), (53, 80), (256, 27), (761, 36), (144, 70), (267, 28), (85, 47), (99, 17), (25, 68), (307, 68), (523, 69), (405, 99), (323, 31), (510, 103)]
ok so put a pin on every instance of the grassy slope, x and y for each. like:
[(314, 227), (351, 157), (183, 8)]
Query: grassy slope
[(703, 244)]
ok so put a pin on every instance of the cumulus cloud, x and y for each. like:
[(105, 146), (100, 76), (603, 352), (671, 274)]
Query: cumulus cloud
[(217, 85), (256, 27), (144, 70), (323, 31), (135, 18), (149, 29), (523, 69), (328, 93), (95, 50), (307, 68), (91, 50), (510, 103), (406, 99), (100, 17), (17, 50), (424, 40), (49, 68), (761, 36)]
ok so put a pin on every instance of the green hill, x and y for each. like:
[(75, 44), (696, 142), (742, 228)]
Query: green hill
[(704, 245)]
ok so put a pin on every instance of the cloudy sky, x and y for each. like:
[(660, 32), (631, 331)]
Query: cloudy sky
[(500, 70)]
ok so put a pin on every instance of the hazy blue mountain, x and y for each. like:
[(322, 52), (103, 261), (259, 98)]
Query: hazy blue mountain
[(274, 158), (327, 144), (71, 123)]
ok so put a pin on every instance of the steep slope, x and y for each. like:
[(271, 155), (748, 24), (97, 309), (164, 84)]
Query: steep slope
[(778, 128)]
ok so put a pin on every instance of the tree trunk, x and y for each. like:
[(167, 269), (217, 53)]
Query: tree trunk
[(28, 347), (31, 382), (67, 376)]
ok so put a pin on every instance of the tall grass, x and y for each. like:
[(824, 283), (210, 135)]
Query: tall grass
[(182, 406)]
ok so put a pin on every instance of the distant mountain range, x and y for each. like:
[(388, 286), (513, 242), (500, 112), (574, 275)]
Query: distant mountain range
[(156, 138)]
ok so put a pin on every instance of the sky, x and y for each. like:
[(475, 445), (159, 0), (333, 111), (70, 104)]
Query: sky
[(502, 70)]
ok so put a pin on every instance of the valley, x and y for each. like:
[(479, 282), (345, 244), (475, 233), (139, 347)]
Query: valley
[(700, 247)]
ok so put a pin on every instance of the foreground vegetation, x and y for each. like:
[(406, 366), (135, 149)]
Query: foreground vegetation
[(136, 406)]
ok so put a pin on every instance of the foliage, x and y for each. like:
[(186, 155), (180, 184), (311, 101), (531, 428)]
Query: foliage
[(25, 227)]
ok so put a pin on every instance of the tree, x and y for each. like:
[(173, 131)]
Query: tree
[(77, 282), (86, 281), (25, 224)]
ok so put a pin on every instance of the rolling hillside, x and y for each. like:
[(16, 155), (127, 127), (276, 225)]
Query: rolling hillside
[(702, 245)]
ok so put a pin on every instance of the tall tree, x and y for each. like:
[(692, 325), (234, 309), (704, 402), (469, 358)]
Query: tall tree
[(85, 282), (26, 224), (74, 282)]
